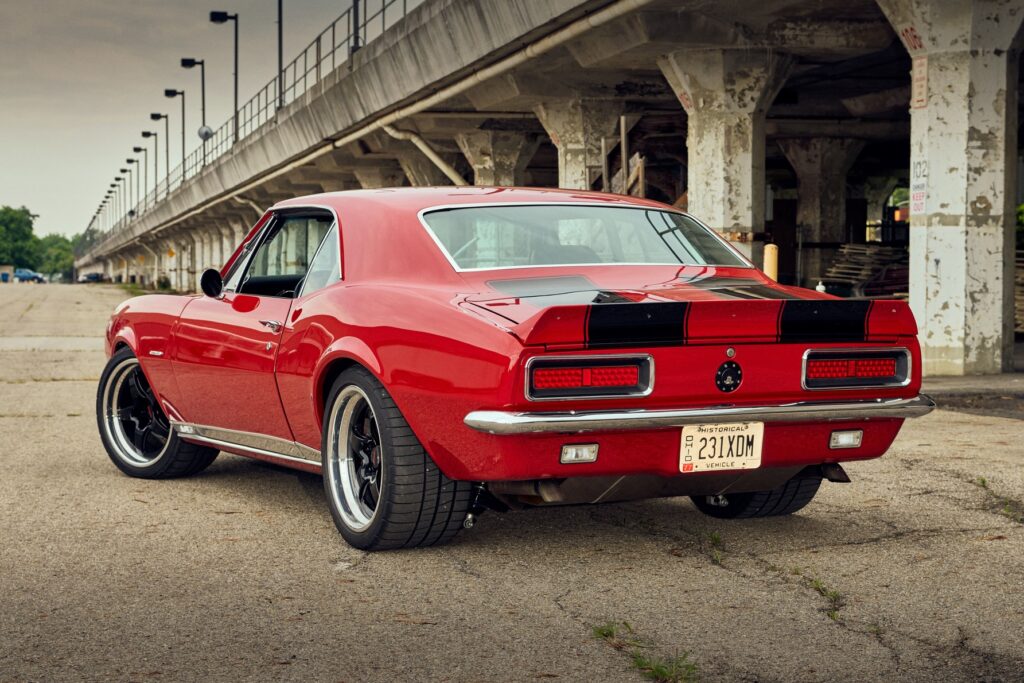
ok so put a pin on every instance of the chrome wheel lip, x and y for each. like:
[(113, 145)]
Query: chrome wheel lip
[(118, 439), (340, 466)]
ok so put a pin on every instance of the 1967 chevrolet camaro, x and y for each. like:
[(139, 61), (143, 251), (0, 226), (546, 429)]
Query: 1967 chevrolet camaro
[(438, 352)]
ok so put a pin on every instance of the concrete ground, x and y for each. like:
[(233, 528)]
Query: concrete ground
[(912, 572)]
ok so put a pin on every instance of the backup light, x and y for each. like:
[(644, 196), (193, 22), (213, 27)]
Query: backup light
[(850, 438), (578, 452)]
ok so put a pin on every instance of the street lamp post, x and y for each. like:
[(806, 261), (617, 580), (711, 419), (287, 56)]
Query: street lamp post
[(167, 145), (220, 18), (138, 195), (188, 63), (156, 159), (172, 93), (280, 53), (120, 195), (128, 189), (145, 173)]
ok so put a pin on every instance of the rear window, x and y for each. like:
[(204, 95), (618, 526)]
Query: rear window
[(515, 236)]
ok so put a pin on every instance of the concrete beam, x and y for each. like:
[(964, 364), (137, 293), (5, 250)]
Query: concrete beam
[(963, 149)]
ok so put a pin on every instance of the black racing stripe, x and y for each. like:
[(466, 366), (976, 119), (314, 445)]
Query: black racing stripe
[(636, 324), (823, 321)]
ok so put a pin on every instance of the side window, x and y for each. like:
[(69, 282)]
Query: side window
[(325, 268), (281, 262)]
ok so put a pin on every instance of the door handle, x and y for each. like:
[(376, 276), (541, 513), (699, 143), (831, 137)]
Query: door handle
[(274, 325)]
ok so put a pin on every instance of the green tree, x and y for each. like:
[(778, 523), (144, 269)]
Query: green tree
[(18, 245), (57, 256)]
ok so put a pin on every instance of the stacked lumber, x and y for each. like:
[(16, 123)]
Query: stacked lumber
[(1018, 280), (871, 270)]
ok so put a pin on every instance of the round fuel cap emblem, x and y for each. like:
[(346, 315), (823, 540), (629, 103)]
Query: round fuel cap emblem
[(729, 376)]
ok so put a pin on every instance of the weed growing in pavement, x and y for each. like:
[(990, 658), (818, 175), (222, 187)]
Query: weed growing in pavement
[(620, 636), (1012, 509)]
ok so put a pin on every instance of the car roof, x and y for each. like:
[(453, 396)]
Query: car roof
[(415, 199)]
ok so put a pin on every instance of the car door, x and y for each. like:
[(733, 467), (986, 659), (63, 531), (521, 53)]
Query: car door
[(225, 348)]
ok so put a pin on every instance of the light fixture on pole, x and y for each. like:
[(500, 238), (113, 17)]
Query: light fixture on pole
[(220, 18), (128, 188), (145, 172), (205, 132), (167, 144), (135, 170), (172, 93), (156, 159)]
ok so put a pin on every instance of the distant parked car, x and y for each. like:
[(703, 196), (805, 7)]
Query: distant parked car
[(26, 275), (90, 277)]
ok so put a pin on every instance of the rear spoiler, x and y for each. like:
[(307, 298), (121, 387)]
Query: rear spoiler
[(616, 325)]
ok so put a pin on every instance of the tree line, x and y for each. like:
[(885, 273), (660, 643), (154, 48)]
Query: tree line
[(21, 247)]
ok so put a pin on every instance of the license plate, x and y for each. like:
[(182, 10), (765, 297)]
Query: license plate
[(717, 447)]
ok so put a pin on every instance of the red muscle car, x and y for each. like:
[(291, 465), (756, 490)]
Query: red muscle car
[(436, 352)]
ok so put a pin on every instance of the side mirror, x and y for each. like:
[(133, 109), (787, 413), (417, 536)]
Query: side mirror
[(211, 283)]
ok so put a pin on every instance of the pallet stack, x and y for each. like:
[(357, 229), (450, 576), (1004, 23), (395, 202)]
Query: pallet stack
[(869, 270), (1018, 280)]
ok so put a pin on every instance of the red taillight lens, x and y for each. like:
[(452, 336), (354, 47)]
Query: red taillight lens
[(846, 368), (571, 378)]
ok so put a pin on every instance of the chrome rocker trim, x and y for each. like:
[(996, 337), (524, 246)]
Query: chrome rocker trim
[(256, 444), (504, 422)]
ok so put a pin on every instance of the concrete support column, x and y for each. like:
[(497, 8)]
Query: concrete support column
[(373, 177), (877, 191), (576, 127), (499, 158), (196, 261), (963, 158), (821, 165), (726, 93)]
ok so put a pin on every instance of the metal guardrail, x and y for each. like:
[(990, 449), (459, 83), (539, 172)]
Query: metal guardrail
[(331, 48)]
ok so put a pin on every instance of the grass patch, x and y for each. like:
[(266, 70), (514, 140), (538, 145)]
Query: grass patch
[(619, 635), (1012, 509)]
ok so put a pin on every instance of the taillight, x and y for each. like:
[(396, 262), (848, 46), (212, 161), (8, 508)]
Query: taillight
[(856, 369), (589, 377)]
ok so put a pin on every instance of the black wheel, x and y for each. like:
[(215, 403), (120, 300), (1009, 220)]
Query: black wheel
[(783, 500), (382, 487), (134, 429)]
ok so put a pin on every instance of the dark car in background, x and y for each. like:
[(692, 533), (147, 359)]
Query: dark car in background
[(26, 275)]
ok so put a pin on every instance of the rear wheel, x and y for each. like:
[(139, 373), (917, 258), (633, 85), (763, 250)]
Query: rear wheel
[(134, 429), (383, 489), (792, 496)]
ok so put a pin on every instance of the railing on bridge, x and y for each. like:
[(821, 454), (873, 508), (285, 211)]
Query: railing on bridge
[(365, 21)]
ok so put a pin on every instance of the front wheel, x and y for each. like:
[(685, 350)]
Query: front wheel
[(134, 429), (782, 500), (383, 489)]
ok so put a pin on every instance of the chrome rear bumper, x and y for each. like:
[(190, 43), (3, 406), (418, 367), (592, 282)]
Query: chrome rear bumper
[(504, 422)]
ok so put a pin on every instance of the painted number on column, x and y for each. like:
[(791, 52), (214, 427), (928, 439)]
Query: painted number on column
[(918, 188)]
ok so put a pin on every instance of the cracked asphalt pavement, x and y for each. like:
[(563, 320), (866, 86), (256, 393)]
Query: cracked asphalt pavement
[(912, 572)]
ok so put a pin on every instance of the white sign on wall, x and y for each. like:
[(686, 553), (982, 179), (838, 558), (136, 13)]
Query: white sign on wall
[(918, 188)]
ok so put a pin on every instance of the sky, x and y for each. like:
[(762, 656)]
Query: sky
[(78, 79)]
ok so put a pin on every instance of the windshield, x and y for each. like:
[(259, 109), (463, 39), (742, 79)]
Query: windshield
[(514, 236)]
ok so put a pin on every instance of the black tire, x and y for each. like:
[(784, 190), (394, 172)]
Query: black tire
[(368, 445), (151, 451), (792, 496)]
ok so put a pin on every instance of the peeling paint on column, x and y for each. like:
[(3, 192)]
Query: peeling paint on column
[(498, 158), (576, 127), (961, 237), (726, 93)]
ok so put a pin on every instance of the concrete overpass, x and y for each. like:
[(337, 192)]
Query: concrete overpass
[(740, 111)]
